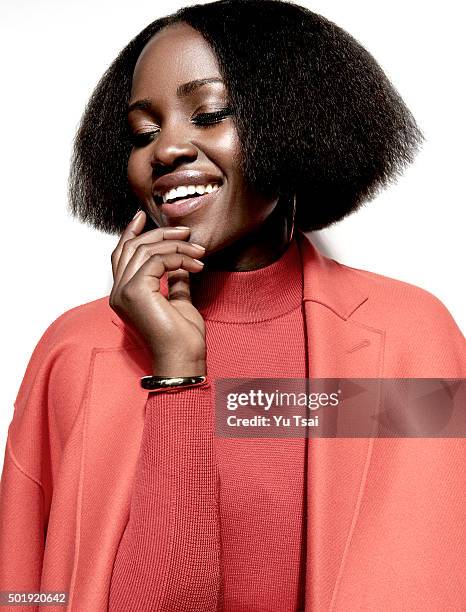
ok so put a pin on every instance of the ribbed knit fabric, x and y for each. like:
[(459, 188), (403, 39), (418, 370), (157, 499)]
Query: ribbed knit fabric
[(218, 524)]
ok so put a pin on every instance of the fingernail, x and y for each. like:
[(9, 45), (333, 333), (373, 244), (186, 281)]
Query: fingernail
[(198, 246), (138, 212), (181, 227), (200, 262)]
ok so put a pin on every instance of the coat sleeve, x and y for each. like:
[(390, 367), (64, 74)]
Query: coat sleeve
[(32, 456), (25, 486), (22, 526)]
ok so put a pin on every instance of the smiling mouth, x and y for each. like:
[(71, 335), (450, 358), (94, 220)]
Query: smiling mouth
[(183, 195)]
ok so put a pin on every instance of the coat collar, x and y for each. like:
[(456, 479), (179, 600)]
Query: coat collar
[(320, 275), (337, 469)]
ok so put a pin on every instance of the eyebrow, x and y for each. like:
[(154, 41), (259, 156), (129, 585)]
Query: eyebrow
[(182, 90)]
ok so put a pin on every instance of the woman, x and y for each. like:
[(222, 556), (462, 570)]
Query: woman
[(233, 127)]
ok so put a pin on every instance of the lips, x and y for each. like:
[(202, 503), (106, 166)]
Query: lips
[(182, 178)]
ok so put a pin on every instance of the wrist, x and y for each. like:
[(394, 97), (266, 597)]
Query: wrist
[(197, 368)]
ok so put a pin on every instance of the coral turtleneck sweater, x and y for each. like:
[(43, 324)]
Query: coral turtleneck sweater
[(215, 516)]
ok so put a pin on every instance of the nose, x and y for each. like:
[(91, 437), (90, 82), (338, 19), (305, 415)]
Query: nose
[(172, 147)]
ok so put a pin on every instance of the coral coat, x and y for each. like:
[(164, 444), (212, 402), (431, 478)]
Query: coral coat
[(386, 516)]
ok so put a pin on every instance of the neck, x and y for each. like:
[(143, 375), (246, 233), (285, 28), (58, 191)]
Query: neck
[(250, 295), (255, 250)]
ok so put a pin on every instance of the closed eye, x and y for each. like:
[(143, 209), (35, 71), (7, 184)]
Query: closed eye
[(211, 118), (142, 138)]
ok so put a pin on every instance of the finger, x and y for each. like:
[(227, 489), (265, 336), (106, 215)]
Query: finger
[(179, 286), (155, 267), (130, 244), (144, 251), (134, 227)]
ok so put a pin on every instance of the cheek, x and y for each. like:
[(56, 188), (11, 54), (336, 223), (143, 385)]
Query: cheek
[(139, 174), (225, 147)]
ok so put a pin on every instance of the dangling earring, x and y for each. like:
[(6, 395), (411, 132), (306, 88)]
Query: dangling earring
[(293, 218)]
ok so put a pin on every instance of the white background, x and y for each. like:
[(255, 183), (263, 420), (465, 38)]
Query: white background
[(54, 52)]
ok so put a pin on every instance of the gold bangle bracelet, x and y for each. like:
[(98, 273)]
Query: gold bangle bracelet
[(160, 383)]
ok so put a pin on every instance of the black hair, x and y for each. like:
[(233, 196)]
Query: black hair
[(315, 113)]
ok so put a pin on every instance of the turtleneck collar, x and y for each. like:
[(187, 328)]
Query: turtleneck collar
[(252, 295)]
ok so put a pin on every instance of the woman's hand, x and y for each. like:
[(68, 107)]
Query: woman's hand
[(172, 328)]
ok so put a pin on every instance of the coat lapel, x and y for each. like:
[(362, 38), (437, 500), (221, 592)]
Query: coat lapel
[(114, 420), (338, 347)]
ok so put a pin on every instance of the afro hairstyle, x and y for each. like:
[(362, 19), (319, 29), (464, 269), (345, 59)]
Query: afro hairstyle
[(316, 115)]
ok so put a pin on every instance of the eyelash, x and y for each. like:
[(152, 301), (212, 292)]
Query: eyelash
[(203, 120)]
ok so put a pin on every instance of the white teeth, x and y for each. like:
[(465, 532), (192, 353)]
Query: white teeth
[(184, 190), (169, 195)]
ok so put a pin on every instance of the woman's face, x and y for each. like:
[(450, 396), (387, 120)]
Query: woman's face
[(177, 143)]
